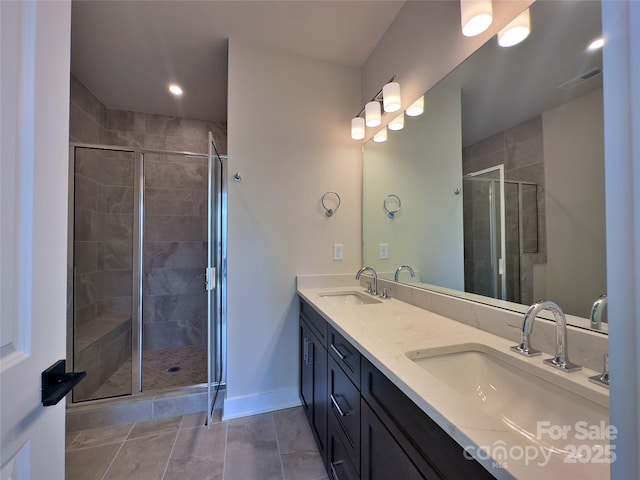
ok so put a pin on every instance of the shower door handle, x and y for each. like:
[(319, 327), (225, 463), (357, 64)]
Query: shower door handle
[(210, 278)]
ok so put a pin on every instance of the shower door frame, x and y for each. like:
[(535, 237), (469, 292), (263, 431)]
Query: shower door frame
[(498, 263), (218, 323)]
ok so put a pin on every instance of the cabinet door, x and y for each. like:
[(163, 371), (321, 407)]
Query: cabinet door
[(313, 385), (382, 457)]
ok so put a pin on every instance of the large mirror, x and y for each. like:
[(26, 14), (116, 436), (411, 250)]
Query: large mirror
[(496, 192)]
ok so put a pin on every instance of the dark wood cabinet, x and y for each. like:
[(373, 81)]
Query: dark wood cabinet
[(366, 427), (313, 384)]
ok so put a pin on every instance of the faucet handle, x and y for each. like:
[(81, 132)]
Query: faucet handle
[(525, 347), (603, 378), (369, 289)]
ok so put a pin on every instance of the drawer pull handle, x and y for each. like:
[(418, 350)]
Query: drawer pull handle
[(340, 354), (307, 354), (341, 412), (334, 474)]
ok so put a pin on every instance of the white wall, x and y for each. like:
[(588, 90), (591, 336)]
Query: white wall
[(424, 43), (576, 247), (422, 164), (289, 137)]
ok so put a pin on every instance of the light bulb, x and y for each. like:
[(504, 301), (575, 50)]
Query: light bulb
[(397, 123), (391, 97), (416, 108), (175, 89), (372, 114), (381, 136), (475, 16), (597, 44), (357, 128), (516, 31)]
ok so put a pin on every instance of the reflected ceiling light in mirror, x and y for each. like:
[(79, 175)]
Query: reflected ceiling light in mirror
[(357, 128), (475, 16), (416, 108), (397, 123), (175, 89), (597, 44), (381, 136), (516, 31), (372, 114), (391, 97)]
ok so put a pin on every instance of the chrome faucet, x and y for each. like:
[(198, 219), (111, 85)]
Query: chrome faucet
[(596, 311), (561, 359), (404, 267), (375, 278)]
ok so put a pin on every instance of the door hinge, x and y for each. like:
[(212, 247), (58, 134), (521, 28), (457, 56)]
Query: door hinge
[(210, 278)]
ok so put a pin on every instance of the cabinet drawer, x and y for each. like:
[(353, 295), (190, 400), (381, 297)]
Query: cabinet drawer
[(339, 464), (429, 447), (316, 322), (345, 355), (344, 404)]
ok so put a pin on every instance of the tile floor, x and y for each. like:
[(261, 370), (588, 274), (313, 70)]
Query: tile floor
[(277, 445), (191, 361)]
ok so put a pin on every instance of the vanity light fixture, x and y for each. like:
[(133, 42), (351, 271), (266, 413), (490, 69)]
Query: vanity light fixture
[(397, 123), (516, 31), (597, 44), (357, 128), (416, 108), (371, 114), (475, 16), (175, 89), (381, 136)]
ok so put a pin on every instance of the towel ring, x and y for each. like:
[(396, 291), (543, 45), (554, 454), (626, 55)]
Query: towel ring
[(391, 213), (330, 211)]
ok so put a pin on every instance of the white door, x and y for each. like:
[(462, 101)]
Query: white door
[(35, 42)]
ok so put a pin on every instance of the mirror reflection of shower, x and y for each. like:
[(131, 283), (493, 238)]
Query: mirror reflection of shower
[(497, 244)]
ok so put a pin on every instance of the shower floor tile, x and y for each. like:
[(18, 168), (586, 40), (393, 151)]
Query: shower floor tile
[(164, 368)]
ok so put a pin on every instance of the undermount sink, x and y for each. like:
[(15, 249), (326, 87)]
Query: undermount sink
[(349, 298), (525, 398)]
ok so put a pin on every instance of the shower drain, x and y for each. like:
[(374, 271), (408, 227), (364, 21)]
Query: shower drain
[(173, 369)]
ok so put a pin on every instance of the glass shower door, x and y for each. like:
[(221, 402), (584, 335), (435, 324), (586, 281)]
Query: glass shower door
[(484, 232), (215, 272)]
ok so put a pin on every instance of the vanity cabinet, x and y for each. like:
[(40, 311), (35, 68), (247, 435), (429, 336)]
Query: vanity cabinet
[(313, 383), (366, 427)]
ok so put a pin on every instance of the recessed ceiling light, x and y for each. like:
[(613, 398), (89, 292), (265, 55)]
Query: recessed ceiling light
[(175, 89), (597, 44)]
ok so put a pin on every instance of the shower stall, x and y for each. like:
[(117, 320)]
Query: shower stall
[(148, 255), (500, 234)]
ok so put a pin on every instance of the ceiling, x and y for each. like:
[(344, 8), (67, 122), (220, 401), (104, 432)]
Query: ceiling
[(127, 52)]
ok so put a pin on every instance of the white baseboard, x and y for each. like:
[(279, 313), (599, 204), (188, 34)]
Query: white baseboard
[(236, 407)]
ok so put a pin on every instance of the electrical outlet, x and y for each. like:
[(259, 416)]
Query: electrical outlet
[(384, 251), (338, 251)]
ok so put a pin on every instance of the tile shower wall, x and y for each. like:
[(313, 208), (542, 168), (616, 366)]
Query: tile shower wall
[(175, 217), (520, 150)]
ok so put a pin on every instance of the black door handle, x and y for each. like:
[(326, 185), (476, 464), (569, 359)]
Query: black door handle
[(56, 383)]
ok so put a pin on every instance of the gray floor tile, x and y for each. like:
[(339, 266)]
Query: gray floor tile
[(193, 420), (253, 464), (252, 433), (155, 427), (303, 466), (142, 459), (90, 463), (294, 433), (198, 453), (69, 438), (100, 436)]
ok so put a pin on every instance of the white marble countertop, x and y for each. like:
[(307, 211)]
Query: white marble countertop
[(384, 332)]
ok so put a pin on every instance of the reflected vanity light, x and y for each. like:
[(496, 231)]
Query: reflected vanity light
[(597, 44), (516, 31), (175, 89), (372, 114), (381, 136), (397, 123), (357, 128), (475, 16), (416, 108)]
